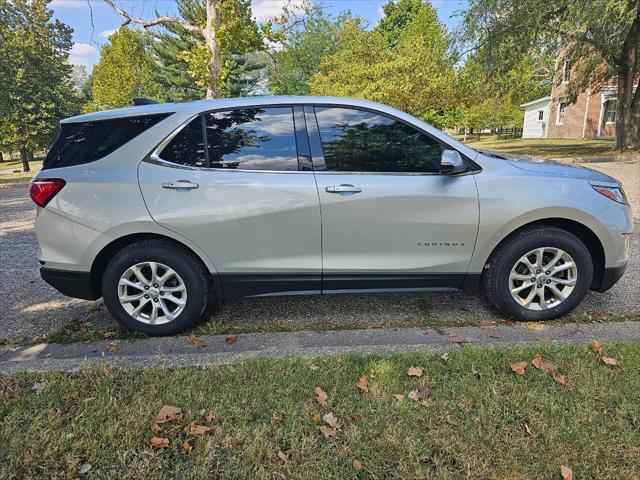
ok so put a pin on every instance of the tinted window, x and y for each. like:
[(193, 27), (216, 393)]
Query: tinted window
[(360, 141), (252, 139), (85, 142), (187, 147)]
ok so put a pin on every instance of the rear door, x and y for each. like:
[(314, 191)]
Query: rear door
[(389, 218), (245, 193)]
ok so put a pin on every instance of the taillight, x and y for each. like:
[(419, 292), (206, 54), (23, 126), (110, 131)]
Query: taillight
[(42, 190)]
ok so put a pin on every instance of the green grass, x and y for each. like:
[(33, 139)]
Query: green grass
[(549, 148), (35, 165), (472, 426)]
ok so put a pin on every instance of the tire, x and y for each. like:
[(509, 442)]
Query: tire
[(181, 279), (507, 268)]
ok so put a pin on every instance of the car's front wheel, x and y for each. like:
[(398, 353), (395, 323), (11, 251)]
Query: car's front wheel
[(539, 273), (155, 287)]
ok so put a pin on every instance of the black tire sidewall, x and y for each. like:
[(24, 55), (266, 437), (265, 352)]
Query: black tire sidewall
[(550, 238), (190, 272)]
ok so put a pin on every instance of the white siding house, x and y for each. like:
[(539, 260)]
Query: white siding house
[(536, 118)]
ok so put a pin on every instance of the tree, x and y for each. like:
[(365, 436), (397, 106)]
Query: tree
[(123, 71), (315, 36), (601, 39), (222, 28), (35, 76), (415, 75)]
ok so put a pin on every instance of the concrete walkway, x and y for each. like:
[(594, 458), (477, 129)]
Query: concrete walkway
[(173, 351)]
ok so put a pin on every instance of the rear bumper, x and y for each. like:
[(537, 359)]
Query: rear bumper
[(609, 278), (70, 283)]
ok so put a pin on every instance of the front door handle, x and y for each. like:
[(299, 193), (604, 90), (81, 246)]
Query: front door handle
[(344, 188), (180, 185)]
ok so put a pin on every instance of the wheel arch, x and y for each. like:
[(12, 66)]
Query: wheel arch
[(583, 232)]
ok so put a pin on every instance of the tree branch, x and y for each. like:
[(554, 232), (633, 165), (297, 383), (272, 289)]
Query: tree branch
[(162, 20)]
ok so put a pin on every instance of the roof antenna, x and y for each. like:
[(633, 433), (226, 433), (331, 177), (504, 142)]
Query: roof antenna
[(137, 101)]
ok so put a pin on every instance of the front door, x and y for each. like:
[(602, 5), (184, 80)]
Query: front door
[(241, 194), (389, 219)]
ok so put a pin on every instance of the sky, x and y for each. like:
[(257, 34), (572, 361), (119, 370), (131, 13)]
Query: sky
[(93, 23)]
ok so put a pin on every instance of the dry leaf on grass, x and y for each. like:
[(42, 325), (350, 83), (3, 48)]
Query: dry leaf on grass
[(357, 464), (328, 431), (331, 420), (238, 442), (609, 361), (38, 387), (414, 371), (317, 417), (399, 396), (355, 417), (283, 456), (596, 346), (209, 415), (195, 429), (157, 442), (71, 395), (231, 339), (362, 384), (445, 356), (112, 348), (169, 413), (418, 395), (542, 364), (321, 396), (186, 446), (372, 373), (566, 472), (518, 367), (527, 430), (561, 379), (84, 468)]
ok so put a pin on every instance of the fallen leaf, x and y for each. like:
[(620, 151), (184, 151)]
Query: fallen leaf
[(192, 338), (495, 335), (357, 464), (314, 367), (372, 373), (112, 348), (445, 356), (542, 364), (331, 420), (155, 428), (84, 468), (399, 396), (328, 431), (609, 361), (533, 325), (238, 442), (283, 456), (561, 379), (200, 344), (414, 371), (157, 442), (362, 384), (209, 415), (321, 396), (596, 346), (186, 446), (71, 395), (518, 367), (355, 417), (566, 472), (231, 339), (417, 395), (108, 334), (527, 429), (169, 413), (195, 429), (316, 417)]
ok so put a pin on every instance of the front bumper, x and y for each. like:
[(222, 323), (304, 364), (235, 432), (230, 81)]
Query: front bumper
[(70, 283), (610, 277)]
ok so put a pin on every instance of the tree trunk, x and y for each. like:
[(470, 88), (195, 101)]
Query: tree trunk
[(628, 109), (209, 34), (24, 156)]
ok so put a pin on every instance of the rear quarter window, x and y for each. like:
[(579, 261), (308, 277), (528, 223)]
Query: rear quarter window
[(84, 142)]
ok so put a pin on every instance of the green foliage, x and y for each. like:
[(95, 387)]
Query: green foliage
[(311, 39), (123, 71), (35, 77), (397, 15)]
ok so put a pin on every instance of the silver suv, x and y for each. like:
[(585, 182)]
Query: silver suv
[(161, 208)]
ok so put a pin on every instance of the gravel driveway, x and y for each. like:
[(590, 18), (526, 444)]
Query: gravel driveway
[(33, 308)]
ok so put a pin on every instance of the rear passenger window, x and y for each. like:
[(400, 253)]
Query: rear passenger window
[(85, 142), (252, 139), (356, 140), (187, 147)]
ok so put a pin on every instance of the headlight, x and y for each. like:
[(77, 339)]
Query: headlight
[(613, 193)]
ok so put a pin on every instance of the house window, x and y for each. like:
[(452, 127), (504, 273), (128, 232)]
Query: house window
[(540, 114), (566, 71), (561, 109), (609, 114)]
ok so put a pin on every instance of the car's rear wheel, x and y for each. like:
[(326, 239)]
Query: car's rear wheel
[(155, 287), (539, 273)]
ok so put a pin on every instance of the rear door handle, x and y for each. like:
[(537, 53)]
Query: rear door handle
[(180, 185), (344, 188)]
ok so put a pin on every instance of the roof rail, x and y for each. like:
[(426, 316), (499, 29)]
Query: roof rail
[(143, 101)]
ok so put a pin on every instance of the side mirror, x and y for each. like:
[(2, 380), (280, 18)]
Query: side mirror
[(451, 163)]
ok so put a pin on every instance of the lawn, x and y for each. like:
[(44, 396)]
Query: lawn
[(549, 148), (477, 420), (35, 165)]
